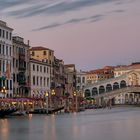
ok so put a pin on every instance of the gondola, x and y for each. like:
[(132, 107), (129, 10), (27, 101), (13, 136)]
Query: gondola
[(45, 111), (5, 112)]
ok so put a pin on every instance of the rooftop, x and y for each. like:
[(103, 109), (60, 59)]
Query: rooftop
[(3, 24), (39, 48)]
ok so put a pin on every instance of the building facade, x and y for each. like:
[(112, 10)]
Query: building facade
[(6, 56), (70, 74), (39, 78), (42, 54), (95, 76), (21, 67), (133, 80), (59, 77), (81, 81), (45, 55)]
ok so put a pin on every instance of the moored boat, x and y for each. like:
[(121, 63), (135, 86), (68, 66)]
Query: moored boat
[(45, 111), (5, 112)]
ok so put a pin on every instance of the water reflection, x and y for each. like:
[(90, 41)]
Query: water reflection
[(4, 126), (115, 124)]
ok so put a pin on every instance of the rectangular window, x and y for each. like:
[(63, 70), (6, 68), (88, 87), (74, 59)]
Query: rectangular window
[(50, 53), (16, 63), (33, 80), (37, 80), (0, 48), (40, 68), (13, 62), (3, 35), (13, 77), (44, 69), (7, 84), (33, 67), (0, 33), (47, 70), (17, 78), (47, 81), (6, 35), (3, 49), (83, 80), (40, 81), (10, 36), (44, 81), (37, 68), (33, 53), (44, 53), (6, 50), (10, 51), (11, 84), (3, 66)]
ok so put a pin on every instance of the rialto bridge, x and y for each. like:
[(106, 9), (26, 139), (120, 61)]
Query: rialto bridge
[(121, 90)]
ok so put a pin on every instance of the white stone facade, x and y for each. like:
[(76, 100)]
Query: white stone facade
[(81, 80), (39, 78), (6, 57)]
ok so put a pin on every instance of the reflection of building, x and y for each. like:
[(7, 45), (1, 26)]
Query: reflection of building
[(21, 67), (39, 78), (6, 54)]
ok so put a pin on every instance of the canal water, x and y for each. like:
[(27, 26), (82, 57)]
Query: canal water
[(102, 124)]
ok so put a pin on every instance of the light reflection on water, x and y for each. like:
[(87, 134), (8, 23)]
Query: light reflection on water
[(115, 124)]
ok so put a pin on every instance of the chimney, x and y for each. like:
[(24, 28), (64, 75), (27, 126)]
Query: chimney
[(28, 42)]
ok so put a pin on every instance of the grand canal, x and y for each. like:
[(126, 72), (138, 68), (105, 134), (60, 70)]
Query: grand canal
[(103, 124)]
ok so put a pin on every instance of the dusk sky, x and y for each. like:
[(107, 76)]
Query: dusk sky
[(88, 33)]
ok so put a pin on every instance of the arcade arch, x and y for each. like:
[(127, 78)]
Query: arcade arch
[(94, 91), (101, 89)]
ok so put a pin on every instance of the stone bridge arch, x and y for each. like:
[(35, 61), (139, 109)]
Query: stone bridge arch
[(94, 91), (108, 87), (116, 86), (87, 93), (123, 84), (101, 89)]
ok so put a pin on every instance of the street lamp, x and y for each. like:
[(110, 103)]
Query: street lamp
[(52, 94), (47, 105), (76, 105), (3, 90)]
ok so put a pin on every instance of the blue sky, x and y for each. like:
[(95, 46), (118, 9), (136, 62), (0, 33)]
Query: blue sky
[(89, 33)]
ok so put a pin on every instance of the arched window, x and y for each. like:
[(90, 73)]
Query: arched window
[(101, 89), (115, 86), (122, 84), (108, 87), (94, 91)]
